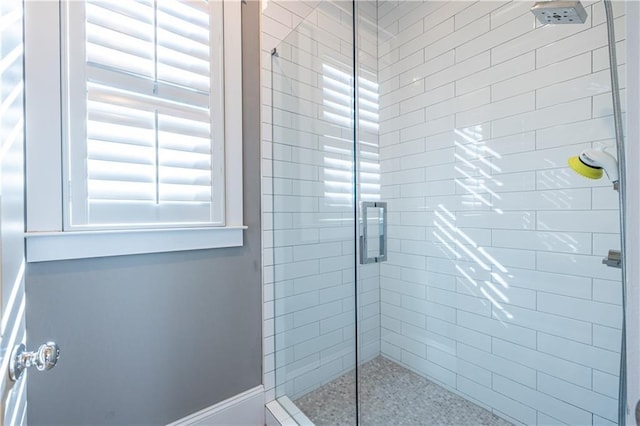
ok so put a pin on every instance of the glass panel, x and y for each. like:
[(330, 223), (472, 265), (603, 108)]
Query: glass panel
[(313, 216), (493, 306), (372, 392)]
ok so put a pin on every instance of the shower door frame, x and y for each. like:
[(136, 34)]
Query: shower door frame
[(633, 207)]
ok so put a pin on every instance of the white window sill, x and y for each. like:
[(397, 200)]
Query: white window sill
[(47, 246)]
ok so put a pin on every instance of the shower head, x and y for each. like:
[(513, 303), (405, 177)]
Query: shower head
[(591, 162), (559, 12)]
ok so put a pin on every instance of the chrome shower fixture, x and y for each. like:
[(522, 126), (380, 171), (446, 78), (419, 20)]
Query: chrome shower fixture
[(559, 12)]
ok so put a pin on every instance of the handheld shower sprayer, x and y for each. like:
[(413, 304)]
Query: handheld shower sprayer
[(591, 163)]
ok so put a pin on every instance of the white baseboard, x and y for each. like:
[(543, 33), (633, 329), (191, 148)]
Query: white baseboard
[(244, 409)]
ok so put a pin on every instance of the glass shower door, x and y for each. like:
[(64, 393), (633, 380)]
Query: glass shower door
[(435, 244), (495, 306), (312, 213)]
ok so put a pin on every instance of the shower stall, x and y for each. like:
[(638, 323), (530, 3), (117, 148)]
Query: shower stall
[(433, 258)]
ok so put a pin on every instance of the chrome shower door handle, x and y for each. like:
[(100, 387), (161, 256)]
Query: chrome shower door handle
[(379, 246), (45, 358)]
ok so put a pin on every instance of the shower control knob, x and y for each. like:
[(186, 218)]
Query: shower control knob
[(613, 259), (45, 358)]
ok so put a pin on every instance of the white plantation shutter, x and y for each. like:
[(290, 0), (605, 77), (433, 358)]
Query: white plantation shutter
[(145, 123)]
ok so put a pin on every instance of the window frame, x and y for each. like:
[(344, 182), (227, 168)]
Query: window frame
[(48, 234)]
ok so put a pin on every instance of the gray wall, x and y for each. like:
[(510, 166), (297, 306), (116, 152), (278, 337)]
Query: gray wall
[(149, 339)]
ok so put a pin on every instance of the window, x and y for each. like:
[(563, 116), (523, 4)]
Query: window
[(150, 145), (146, 76)]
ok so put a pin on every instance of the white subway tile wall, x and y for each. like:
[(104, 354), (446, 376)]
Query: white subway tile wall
[(468, 112), (494, 286)]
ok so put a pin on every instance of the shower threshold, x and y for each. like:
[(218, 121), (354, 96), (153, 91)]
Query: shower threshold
[(391, 395)]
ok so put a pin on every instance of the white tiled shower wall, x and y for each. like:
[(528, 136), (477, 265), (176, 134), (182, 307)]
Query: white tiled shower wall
[(308, 205), (494, 285)]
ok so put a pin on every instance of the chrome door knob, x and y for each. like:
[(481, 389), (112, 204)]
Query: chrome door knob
[(45, 358)]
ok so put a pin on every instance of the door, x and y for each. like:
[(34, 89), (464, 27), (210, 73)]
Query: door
[(12, 260)]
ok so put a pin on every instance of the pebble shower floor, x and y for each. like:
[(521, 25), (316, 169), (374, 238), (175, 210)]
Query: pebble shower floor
[(386, 390)]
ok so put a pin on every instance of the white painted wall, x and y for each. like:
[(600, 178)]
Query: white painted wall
[(494, 286)]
